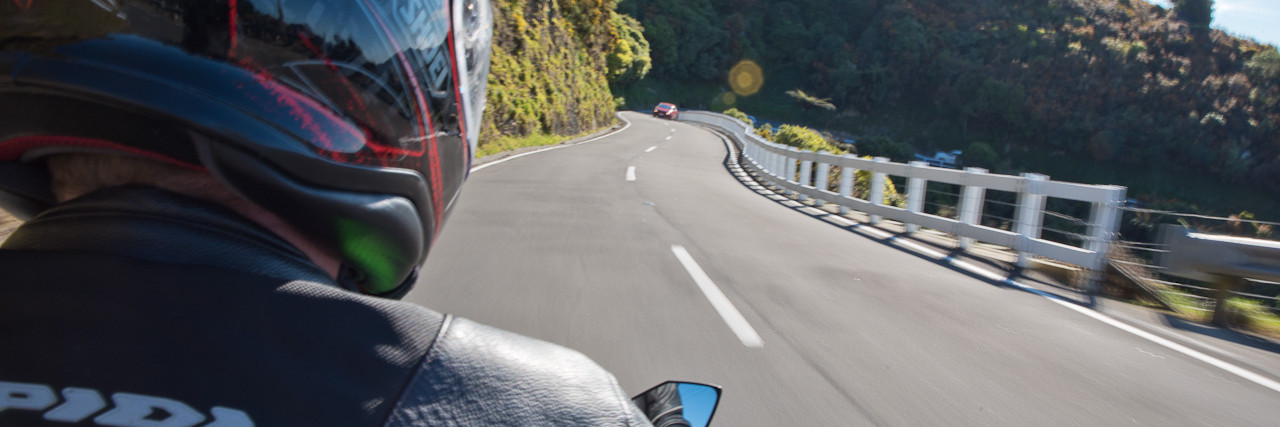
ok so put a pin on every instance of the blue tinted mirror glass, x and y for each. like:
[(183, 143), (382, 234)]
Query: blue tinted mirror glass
[(700, 401), (679, 404)]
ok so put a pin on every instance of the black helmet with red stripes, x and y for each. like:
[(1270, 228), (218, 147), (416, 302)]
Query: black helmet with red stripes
[(353, 120)]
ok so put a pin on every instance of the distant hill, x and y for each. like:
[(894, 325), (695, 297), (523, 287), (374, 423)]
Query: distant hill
[(1120, 82)]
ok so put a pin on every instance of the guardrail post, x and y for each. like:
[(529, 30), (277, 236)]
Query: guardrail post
[(877, 189), (915, 195), (779, 162), (806, 176), (789, 169), (820, 181), (758, 155), (1224, 286), (754, 153), (1030, 214), (846, 182), (1104, 221), (768, 161), (971, 197)]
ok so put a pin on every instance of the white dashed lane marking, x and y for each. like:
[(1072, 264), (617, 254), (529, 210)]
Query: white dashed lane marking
[(727, 311)]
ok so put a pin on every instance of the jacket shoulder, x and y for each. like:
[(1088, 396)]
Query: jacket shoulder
[(480, 375)]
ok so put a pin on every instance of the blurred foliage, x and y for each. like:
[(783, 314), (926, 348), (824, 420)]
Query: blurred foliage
[(552, 61), (629, 59), (883, 146), (805, 139), (862, 188), (765, 131), (686, 37), (1265, 65), (1122, 85), (807, 101), (980, 154), (1252, 314), (1198, 13), (735, 113)]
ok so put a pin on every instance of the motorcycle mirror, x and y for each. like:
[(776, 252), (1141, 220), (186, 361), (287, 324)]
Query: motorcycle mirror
[(678, 404)]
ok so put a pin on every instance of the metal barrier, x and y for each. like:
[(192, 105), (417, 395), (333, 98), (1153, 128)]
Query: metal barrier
[(1225, 261), (1146, 261), (793, 170)]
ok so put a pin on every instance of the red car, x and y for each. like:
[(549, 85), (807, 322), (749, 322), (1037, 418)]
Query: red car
[(666, 110)]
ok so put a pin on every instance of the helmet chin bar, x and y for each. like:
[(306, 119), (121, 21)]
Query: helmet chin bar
[(379, 237), (304, 115), (352, 279)]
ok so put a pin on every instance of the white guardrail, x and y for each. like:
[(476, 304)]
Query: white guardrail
[(794, 170)]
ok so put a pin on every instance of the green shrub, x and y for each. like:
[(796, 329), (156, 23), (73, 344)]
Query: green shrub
[(737, 114), (1249, 313), (765, 131), (805, 139)]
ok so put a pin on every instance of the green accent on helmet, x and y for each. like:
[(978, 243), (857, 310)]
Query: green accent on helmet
[(367, 251)]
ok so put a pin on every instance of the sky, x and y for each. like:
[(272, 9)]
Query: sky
[(1257, 19)]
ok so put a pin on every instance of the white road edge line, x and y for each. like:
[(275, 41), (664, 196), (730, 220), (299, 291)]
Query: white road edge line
[(631, 173), (1218, 363), (1192, 353), (727, 311), (651, 149), (1225, 366), (624, 119)]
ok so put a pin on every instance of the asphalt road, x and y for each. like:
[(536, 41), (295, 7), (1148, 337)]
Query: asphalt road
[(575, 247)]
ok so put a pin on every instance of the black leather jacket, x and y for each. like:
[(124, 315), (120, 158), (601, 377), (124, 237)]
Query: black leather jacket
[(134, 303)]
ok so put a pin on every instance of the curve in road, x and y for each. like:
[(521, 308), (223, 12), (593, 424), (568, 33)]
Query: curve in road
[(560, 247)]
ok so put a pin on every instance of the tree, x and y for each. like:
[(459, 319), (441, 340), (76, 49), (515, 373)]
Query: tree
[(884, 146), (1264, 65), (686, 36), (629, 58), (664, 46), (1198, 13), (980, 154), (995, 104)]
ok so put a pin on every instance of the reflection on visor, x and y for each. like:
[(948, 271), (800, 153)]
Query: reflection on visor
[(475, 18), (384, 67), (389, 73)]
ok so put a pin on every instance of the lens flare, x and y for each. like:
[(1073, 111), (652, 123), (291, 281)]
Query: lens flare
[(746, 78), (728, 98)]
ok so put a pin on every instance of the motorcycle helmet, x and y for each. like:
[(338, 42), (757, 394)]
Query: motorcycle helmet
[(353, 120)]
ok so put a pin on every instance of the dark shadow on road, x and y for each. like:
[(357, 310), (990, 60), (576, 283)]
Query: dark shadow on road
[(1225, 334)]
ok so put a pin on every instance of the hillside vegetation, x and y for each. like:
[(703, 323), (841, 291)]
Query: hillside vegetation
[(1120, 85), (551, 65)]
